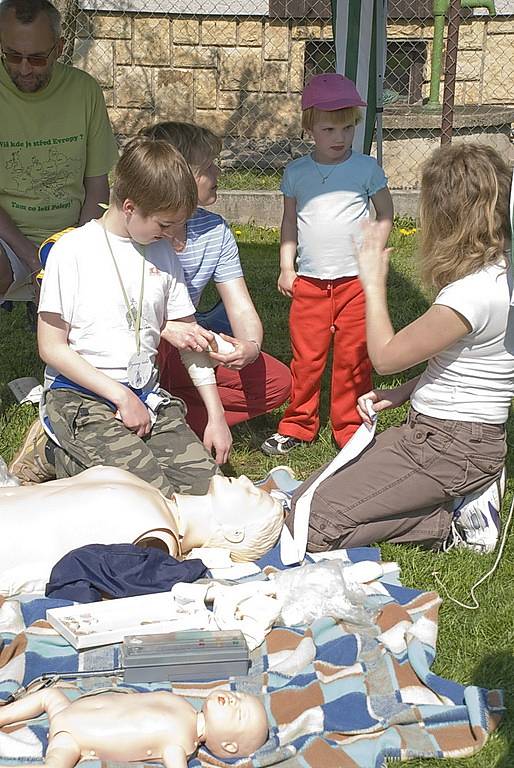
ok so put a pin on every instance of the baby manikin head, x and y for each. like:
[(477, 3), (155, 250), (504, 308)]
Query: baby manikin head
[(236, 724), (245, 519)]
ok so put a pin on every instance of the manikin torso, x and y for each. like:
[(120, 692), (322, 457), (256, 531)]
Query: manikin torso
[(131, 726), (103, 505), (115, 726)]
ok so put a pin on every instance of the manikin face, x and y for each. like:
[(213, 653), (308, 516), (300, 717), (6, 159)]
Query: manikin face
[(333, 141), (233, 496), (36, 39), (206, 177), (156, 226), (235, 723), (245, 519)]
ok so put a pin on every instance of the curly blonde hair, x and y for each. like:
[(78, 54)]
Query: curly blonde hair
[(464, 212)]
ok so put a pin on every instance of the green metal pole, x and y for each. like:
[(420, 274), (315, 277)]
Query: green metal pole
[(489, 4), (440, 8)]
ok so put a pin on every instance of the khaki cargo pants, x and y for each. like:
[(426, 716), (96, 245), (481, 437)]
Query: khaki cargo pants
[(171, 457)]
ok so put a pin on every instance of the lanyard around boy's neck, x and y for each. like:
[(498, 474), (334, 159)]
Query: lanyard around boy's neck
[(137, 319)]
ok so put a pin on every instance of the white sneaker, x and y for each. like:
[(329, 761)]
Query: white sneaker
[(476, 518)]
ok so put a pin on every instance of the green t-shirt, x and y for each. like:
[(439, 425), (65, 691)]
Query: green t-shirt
[(50, 141)]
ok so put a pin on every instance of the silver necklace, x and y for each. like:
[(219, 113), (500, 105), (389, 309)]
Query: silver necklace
[(324, 177)]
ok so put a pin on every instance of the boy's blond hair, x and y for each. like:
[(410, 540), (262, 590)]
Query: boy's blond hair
[(344, 116), (155, 177), (464, 212), (196, 144)]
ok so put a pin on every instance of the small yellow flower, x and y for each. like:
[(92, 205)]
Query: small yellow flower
[(237, 231), (408, 232)]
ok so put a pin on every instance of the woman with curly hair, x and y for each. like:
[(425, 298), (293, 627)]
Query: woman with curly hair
[(437, 479)]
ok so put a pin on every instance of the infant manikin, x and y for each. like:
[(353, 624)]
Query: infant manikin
[(128, 726), (105, 505)]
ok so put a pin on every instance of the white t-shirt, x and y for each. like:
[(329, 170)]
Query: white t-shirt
[(329, 215), (81, 285), (473, 380)]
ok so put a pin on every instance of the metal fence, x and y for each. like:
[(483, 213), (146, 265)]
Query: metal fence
[(239, 66)]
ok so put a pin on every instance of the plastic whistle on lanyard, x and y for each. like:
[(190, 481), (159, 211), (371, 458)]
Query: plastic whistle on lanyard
[(293, 547)]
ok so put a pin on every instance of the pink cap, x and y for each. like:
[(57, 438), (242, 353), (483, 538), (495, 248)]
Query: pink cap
[(331, 91)]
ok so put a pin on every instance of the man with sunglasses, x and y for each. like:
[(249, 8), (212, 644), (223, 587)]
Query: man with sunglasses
[(56, 142)]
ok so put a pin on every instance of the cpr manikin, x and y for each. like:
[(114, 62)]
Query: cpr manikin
[(133, 726), (105, 505)]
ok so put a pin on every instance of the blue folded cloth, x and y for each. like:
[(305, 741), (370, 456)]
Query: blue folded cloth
[(88, 573)]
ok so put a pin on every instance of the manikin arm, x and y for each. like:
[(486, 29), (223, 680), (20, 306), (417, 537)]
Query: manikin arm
[(63, 751), (174, 756)]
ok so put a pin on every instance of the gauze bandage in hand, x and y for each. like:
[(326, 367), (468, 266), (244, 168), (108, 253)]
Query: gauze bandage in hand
[(200, 365)]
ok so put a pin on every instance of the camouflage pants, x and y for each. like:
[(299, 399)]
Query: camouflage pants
[(171, 457)]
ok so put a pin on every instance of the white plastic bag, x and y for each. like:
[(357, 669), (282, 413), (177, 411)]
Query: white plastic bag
[(321, 589), (6, 478)]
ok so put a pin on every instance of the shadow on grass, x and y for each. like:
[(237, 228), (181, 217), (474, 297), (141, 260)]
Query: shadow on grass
[(496, 670)]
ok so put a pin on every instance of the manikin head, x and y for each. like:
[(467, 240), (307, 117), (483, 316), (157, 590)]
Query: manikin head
[(243, 518), (235, 724), (30, 37)]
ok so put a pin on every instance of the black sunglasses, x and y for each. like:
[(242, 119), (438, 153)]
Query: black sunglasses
[(38, 60)]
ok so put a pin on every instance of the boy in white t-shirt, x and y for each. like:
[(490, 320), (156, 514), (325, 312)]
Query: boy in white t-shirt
[(111, 289), (326, 199)]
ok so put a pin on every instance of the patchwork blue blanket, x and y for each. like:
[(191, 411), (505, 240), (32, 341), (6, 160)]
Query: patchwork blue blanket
[(338, 695)]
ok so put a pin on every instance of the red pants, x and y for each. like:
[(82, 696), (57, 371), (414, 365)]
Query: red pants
[(325, 312), (257, 389)]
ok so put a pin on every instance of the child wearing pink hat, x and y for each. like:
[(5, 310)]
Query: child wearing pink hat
[(327, 197)]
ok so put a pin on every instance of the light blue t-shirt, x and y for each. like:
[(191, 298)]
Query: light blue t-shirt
[(329, 213), (211, 252)]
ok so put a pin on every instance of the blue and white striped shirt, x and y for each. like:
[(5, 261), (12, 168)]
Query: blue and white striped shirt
[(211, 252)]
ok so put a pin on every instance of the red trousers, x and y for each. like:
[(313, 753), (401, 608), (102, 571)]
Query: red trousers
[(325, 312), (256, 389)]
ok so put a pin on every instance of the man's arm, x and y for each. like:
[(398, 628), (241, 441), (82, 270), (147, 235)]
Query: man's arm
[(24, 248), (245, 322), (97, 191)]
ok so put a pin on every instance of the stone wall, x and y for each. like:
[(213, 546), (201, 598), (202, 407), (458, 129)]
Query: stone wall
[(240, 76), (243, 76)]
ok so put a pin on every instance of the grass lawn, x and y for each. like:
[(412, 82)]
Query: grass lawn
[(474, 647)]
